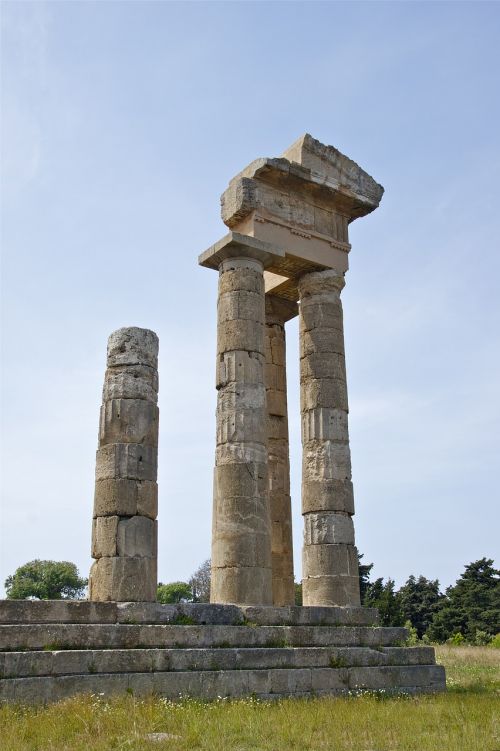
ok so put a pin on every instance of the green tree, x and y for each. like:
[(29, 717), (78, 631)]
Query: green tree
[(45, 580), (383, 596), (471, 605), (298, 593), (364, 576), (419, 600), (200, 582), (174, 592)]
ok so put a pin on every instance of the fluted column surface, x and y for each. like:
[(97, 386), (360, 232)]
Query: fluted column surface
[(241, 531), (330, 563)]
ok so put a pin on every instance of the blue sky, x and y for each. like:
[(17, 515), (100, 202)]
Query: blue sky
[(122, 125)]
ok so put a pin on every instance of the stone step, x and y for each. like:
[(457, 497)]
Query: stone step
[(265, 684), (90, 661), (20, 637), (83, 611)]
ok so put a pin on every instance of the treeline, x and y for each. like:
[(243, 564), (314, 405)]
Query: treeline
[(468, 611)]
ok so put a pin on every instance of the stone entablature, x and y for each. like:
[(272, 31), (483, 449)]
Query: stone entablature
[(302, 202)]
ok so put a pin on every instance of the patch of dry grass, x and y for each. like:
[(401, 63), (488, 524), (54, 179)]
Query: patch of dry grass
[(470, 668), (461, 720)]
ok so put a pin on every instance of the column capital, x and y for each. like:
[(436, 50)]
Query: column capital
[(235, 245), (320, 282)]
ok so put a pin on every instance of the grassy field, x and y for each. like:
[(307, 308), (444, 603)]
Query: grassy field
[(466, 718)]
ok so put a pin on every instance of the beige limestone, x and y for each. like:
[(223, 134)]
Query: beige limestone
[(131, 461), (124, 533), (241, 584), (327, 495), (240, 305), (326, 460), (326, 527), (244, 452), (330, 565), (133, 346), (240, 335), (323, 365), (129, 421), (123, 579), (325, 424), (137, 536), (247, 479), (241, 528), (126, 498), (104, 529), (323, 392), (131, 382), (339, 589), (239, 367)]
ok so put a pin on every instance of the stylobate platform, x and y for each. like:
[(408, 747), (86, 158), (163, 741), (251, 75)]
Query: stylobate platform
[(50, 650)]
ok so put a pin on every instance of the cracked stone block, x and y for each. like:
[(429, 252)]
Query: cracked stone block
[(327, 495), (133, 346), (123, 579), (104, 530), (128, 461), (131, 382), (137, 537), (126, 498), (129, 421), (328, 528)]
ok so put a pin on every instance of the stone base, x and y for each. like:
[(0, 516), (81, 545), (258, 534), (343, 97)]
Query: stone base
[(54, 649)]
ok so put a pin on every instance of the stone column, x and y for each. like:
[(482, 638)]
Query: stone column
[(330, 564), (124, 531), (241, 532), (278, 311)]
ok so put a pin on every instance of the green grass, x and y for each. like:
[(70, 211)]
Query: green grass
[(463, 719)]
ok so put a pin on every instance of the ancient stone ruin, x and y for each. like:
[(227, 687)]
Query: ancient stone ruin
[(288, 244), (124, 532), (285, 255)]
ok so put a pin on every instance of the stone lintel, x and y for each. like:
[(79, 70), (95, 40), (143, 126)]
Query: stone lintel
[(282, 270), (234, 245), (302, 203), (278, 309)]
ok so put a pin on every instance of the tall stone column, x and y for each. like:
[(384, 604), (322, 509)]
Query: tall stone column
[(330, 564), (241, 533), (278, 311), (124, 531)]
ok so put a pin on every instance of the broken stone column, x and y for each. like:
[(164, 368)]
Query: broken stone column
[(278, 311), (329, 562), (241, 532), (124, 529)]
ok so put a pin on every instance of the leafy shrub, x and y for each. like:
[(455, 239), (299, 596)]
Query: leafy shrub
[(456, 640), (412, 639), (482, 638)]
